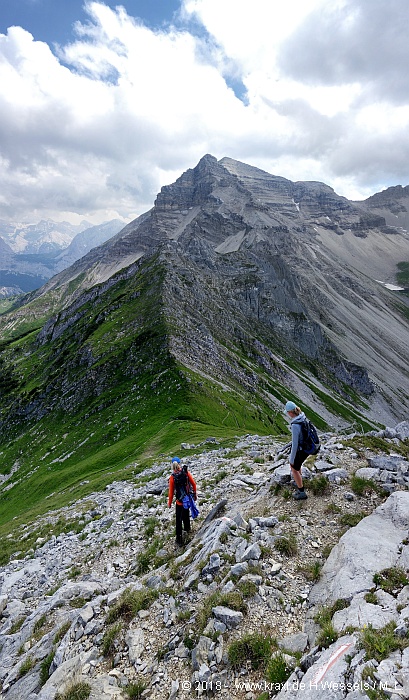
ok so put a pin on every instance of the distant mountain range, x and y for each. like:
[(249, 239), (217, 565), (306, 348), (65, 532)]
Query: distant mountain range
[(237, 291), (32, 253)]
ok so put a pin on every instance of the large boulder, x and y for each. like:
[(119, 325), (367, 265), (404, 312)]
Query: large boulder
[(376, 543)]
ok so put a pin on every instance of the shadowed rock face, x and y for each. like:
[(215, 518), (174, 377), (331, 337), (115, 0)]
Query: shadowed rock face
[(256, 263)]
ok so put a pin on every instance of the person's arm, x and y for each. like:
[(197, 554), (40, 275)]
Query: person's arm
[(295, 431), (171, 490), (193, 484)]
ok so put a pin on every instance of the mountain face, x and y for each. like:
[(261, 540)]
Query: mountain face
[(29, 260), (236, 291)]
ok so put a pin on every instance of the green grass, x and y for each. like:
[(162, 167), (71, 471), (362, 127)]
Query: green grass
[(362, 443), (130, 603), (287, 545), (402, 276), (61, 632), (324, 617), (75, 691), (110, 639), (26, 666), (319, 485), (278, 670), (135, 689), (380, 643), (351, 519), (45, 667), (362, 487), (371, 597), (253, 648), (312, 572), (326, 636), (391, 580), (248, 589)]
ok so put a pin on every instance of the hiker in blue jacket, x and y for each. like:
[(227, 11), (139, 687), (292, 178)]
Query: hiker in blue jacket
[(297, 455)]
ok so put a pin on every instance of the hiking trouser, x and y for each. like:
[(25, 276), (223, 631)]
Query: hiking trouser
[(182, 517)]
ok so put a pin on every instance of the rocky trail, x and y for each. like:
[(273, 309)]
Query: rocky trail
[(113, 610)]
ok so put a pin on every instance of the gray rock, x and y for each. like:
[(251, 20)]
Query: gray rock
[(282, 475), (153, 582), (360, 614), (352, 563), (388, 463), (213, 565), (204, 673), (24, 686), (3, 603), (105, 687), (215, 512), (194, 576), (402, 430), (174, 689), (323, 466), (271, 521), (294, 642), (254, 479), (135, 641), (336, 475), (325, 678), (248, 553), (239, 569), (200, 654), (367, 473), (230, 618), (228, 587), (240, 522)]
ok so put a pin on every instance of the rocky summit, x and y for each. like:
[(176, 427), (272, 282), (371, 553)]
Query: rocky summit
[(268, 597)]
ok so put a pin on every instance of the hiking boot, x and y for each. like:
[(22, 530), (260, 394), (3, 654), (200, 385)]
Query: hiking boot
[(300, 496)]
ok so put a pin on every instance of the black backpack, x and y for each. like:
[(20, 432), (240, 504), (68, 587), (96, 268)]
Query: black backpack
[(310, 441), (182, 484)]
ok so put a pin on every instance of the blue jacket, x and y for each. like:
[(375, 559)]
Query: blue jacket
[(296, 435)]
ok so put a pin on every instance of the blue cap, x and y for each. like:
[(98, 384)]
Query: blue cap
[(290, 406), (175, 459)]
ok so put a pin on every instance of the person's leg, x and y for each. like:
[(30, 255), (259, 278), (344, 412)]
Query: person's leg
[(296, 474), (186, 519), (300, 457), (179, 516)]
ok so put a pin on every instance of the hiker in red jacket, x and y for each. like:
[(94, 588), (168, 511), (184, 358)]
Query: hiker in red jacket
[(181, 483)]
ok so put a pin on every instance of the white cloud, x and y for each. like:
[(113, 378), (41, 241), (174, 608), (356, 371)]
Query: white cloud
[(102, 124)]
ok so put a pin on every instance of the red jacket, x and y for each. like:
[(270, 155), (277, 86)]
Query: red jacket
[(172, 488)]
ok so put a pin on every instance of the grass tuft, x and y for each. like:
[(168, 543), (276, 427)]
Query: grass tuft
[(390, 580), (319, 485), (255, 648), (380, 643), (75, 691), (278, 670), (287, 545), (130, 603)]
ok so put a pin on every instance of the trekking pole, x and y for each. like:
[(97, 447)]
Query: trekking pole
[(284, 449)]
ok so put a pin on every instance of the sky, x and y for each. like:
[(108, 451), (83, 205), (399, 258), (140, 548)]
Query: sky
[(101, 104)]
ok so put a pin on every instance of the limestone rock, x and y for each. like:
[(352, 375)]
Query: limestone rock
[(230, 618)]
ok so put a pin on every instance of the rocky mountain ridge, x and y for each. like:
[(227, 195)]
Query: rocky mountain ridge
[(242, 249), (109, 606)]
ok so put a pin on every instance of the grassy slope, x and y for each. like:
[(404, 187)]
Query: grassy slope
[(112, 395), (112, 398)]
